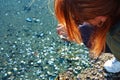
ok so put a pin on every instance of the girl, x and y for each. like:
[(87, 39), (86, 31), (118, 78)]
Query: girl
[(102, 15)]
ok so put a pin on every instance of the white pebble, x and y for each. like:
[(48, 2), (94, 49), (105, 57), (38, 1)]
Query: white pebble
[(49, 32), (39, 61), (15, 69), (9, 73), (23, 62), (13, 46), (2, 48)]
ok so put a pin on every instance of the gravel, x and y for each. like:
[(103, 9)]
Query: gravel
[(29, 46), (96, 72)]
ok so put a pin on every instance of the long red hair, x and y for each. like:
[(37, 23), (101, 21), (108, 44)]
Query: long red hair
[(71, 13)]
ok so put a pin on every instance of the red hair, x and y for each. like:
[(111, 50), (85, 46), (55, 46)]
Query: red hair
[(71, 13)]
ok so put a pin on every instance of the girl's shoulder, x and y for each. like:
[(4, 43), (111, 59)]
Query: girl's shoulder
[(115, 29)]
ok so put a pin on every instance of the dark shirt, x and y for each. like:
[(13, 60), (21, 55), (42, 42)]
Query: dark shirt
[(113, 40)]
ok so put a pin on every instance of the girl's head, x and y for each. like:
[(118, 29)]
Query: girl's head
[(102, 14)]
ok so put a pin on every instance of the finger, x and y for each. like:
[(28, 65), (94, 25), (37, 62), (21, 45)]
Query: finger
[(61, 30), (62, 33), (60, 25), (63, 37)]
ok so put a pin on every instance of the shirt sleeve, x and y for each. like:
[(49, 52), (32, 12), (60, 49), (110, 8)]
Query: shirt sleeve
[(113, 41)]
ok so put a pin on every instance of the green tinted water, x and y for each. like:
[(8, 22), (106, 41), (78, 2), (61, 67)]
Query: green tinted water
[(29, 46)]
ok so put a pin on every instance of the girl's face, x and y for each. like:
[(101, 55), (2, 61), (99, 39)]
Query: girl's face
[(97, 21)]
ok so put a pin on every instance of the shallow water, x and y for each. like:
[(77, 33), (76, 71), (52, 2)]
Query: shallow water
[(29, 46)]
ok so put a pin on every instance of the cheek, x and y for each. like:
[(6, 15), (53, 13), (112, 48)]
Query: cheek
[(93, 22)]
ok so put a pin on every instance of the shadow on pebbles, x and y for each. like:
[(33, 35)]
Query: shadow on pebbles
[(96, 72)]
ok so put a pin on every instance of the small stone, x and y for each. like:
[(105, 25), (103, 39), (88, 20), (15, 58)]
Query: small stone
[(76, 58), (15, 69), (101, 76), (49, 73), (39, 61), (42, 75), (15, 42), (100, 70), (29, 19), (11, 78), (38, 72), (2, 48), (48, 39), (5, 74), (37, 20), (32, 63), (18, 13), (81, 44), (49, 32), (50, 62), (41, 34), (9, 73), (94, 73), (19, 38), (19, 1), (41, 24), (21, 51), (23, 62), (86, 52), (70, 69), (6, 14), (81, 50), (14, 46)]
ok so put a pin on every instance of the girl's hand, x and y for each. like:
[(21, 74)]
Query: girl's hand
[(62, 33)]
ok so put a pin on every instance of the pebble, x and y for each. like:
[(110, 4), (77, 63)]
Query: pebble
[(9, 73), (86, 52), (41, 34), (6, 14), (56, 68), (41, 24), (76, 58), (23, 62), (11, 78), (15, 69), (39, 61), (21, 51), (2, 48), (19, 1), (37, 20), (19, 38), (81, 50), (29, 19), (50, 62), (14, 46), (94, 73), (15, 42), (50, 33)]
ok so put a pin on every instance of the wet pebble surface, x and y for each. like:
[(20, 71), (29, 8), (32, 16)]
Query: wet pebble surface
[(29, 46)]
